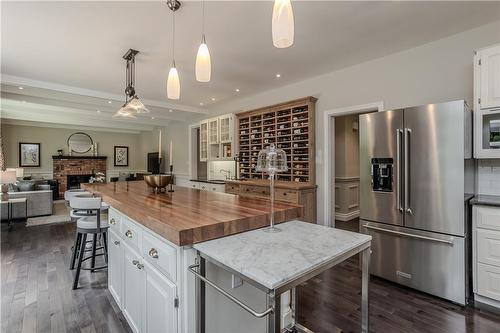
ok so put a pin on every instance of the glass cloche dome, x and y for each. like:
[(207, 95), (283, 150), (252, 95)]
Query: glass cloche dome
[(271, 160)]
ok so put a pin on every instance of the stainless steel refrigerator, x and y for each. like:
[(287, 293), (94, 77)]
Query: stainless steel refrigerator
[(415, 168)]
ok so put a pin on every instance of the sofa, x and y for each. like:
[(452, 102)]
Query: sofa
[(39, 199)]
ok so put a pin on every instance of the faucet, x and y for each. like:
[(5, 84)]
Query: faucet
[(226, 172)]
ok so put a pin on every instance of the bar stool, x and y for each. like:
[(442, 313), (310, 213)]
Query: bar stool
[(88, 211)]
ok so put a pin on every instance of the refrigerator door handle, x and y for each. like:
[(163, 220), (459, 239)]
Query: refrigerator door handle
[(407, 198), (406, 234), (399, 205)]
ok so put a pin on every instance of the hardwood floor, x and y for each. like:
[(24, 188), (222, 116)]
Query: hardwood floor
[(37, 295), (36, 285)]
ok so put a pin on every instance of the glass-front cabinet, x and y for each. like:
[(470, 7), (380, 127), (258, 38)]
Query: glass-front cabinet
[(203, 141), (217, 138), (487, 102), (213, 131)]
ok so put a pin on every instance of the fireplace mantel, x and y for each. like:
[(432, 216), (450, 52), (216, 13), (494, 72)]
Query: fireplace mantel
[(76, 157)]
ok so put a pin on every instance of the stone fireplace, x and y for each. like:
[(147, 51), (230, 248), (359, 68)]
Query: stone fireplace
[(70, 171)]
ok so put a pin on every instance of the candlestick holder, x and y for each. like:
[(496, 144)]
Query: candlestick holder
[(171, 187)]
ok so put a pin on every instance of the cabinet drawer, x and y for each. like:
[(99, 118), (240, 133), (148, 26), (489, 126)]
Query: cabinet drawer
[(262, 191), (286, 195), (487, 217), (232, 188), (114, 220), (131, 233), (160, 254), (488, 246), (488, 281)]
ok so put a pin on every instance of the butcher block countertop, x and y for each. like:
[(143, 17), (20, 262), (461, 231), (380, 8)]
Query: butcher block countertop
[(188, 216)]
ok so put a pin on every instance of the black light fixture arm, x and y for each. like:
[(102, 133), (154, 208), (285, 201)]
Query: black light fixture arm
[(130, 73)]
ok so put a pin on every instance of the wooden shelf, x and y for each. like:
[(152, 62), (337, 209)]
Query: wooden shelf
[(269, 119)]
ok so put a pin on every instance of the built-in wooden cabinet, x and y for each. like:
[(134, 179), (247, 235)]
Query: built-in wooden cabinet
[(290, 126), (487, 102), (486, 254)]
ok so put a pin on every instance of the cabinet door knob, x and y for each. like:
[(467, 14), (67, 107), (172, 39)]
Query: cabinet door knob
[(135, 262), (128, 234), (140, 266), (117, 242), (153, 253), (112, 221)]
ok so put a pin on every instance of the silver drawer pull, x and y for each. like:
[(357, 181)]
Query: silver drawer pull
[(153, 253), (135, 262), (112, 221), (117, 242), (128, 234), (140, 266), (410, 235)]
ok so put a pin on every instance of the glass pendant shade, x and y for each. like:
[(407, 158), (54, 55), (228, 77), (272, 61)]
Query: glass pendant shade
[(136, 104), (282, 24), (173, 84), (271, 160), (203, 63), (125, 112)]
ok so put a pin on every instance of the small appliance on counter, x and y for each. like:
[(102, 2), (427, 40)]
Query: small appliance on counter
[(495, 133)]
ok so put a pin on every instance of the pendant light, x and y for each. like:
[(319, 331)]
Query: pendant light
[(203, 64), (133, 104), (282, 24), (173, 81)]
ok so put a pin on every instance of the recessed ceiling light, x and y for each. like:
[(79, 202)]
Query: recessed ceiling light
[(201, 103), (170, 110), (213, 99), (237, 90), (109, 102), (20, 88), (278, 75), (152, 117), (98, 111)]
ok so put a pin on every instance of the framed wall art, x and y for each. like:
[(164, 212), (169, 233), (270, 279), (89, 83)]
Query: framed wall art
[(29, 154), (121, 156)]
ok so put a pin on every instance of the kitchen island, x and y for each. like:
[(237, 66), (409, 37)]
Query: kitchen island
[(151, 241)]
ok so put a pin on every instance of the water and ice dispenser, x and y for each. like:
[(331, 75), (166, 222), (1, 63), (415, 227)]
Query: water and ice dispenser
[(381, 172)]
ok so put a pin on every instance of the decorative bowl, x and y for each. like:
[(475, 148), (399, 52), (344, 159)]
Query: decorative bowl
[(157, 182)]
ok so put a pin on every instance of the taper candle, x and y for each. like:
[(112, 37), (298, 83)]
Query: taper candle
[(159, 145), (170, 153)]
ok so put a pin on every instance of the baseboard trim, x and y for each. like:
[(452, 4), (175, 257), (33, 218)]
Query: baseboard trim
[(346, 216)]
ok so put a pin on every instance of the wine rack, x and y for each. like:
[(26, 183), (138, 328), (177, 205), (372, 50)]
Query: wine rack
[(290, 126)]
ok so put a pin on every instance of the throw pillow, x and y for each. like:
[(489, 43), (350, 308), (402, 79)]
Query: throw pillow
[(26, 185)]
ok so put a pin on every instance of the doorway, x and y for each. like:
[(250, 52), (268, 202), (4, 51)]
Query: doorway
[(341, 170)]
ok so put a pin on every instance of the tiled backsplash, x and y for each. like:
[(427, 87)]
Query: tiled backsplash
[(488, 173), (214, 168)]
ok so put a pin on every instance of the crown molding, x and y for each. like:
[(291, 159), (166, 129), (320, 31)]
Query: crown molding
[(21, 81)]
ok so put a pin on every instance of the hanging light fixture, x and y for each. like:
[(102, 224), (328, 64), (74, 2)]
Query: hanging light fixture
[(133, 104), (173, 81), (282, 24), (203, 63)]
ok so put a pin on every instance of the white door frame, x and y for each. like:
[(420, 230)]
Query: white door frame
[(193, 168), (329, 164)]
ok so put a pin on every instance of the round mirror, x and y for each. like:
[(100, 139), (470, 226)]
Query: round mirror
[(80, 142)]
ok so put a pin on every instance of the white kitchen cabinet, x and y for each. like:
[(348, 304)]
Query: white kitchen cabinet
[(115, 266), (226, 128), (133, 288), (213, 131), (487, 102), (160, 303), (204, 141), (486, 254)]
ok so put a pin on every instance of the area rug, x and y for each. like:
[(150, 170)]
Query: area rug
[(60, 215)]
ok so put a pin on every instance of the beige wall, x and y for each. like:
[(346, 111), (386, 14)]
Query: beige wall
[(178, 133), (346, 147), (52, 139), (437, 71)]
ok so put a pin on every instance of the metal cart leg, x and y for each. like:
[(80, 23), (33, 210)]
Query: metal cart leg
[(274, 318), (365, 279)]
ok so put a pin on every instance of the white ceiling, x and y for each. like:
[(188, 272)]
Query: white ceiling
[(70, 52)]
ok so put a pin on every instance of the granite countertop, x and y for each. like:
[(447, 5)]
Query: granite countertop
[(189, 216), (487, 200), (274, 259)]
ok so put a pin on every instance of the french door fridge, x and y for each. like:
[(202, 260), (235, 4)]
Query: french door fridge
[(414, 173)]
